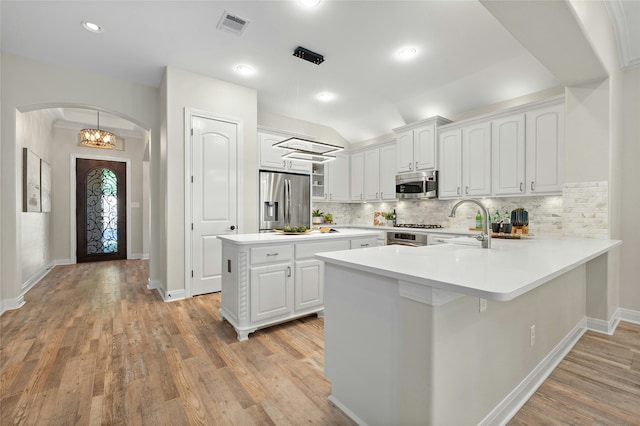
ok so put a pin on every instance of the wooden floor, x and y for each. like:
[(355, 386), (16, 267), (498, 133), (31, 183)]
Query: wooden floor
[(597, 383), (94, 346)]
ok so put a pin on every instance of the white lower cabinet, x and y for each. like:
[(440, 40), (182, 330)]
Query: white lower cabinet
[(267, 284), (309, 284), (271, 291)]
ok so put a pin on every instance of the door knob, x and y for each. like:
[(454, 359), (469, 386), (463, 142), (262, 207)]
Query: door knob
[(232, 227)]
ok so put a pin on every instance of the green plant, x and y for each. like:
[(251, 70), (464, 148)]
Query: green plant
[(317, 213), (388, 215), (328, 217)]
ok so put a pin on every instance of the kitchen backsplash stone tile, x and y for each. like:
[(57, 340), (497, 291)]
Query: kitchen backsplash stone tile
[(586, 210), (545, 213)]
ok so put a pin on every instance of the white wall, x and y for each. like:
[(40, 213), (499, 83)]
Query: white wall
[(30, 85), (630, 250), (34, 131), (188, 90), (65, 141)]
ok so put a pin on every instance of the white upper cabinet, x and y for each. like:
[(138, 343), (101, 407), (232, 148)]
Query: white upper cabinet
[(271, 158), (372, 175), (357, 177), (508, 145), (465, 162), (476, 159), (417, 146), (388, 172), (528, 152), (545, 149), (450, 175), (336, 178)]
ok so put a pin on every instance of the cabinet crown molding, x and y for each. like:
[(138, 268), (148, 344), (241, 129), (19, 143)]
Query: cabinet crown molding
[(520, 109), (440, 121)]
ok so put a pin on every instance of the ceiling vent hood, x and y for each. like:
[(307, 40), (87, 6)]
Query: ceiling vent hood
[(232, 23)]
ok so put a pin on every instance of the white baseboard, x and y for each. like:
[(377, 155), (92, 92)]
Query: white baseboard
[(167, 296), (11, 304), (135, 256), (629, 316), (62, 262), (509, 406), (345, 410), (35, 278), (145, 256), (602, 326)]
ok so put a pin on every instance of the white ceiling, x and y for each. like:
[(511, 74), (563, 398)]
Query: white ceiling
[(466, 58)]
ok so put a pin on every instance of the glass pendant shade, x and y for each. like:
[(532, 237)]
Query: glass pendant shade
[(97, 138)]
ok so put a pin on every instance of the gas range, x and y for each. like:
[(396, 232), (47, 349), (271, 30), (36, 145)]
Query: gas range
[(417, 226), (405, 237)]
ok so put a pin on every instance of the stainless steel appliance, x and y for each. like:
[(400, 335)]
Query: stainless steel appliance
[(418, 185), (406, 237), (285, 199)]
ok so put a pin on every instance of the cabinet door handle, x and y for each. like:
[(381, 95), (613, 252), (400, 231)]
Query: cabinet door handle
[(284, 163), (272, 254), (361, 196), (288, 271), (410, 166), (331, 196), (533, 186), (229, 265), (381, 195), (466, 190), (377, 196), (458, 191), (364, 245), (325, 195), (416, 165), (521, 186)]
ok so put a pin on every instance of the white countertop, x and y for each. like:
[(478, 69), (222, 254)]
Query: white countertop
[(505, 271), (273, 237)]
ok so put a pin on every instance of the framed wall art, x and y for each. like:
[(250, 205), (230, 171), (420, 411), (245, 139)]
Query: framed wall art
[(45, 187), (31, 181)]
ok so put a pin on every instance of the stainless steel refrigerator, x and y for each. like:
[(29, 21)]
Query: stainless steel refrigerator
[(285, 199)]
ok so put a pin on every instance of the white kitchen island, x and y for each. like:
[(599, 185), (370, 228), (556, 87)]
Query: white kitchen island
[(452, 334), (269, 278)]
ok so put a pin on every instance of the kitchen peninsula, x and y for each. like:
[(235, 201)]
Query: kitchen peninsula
[(269, 278), (410, 337)]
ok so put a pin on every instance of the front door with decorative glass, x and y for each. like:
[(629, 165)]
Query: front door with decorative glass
[(101, 224)]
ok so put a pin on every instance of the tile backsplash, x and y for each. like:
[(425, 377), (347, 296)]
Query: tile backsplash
[(545, 213), (581, 211)]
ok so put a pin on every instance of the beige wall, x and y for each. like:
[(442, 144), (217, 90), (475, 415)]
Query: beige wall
[(630, 222), (30, 85), (220, 99), (34, 130)]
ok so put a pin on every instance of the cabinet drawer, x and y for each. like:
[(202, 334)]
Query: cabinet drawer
[(308, 250), (271, 254), (363, 242)]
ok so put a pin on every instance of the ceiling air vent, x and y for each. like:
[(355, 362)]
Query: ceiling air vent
[(232, 23)]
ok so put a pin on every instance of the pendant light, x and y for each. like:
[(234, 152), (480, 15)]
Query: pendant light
[(97, 138), (314, 151)]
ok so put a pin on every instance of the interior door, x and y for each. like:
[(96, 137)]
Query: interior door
[(101, 214), (214, 200)]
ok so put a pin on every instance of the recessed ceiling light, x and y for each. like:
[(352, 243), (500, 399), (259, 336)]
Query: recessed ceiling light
[(245, 70), (325, 96), (90, 26), (406, 53), (309, 3)]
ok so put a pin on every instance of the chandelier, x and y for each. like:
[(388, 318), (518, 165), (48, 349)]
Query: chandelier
[(97, 138)]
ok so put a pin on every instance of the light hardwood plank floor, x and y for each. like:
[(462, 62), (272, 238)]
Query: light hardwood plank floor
[(94, 346)]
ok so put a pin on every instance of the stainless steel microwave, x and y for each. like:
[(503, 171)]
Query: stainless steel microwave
[(418, 185)]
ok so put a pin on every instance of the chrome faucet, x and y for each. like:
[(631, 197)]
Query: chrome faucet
[(485, 238)]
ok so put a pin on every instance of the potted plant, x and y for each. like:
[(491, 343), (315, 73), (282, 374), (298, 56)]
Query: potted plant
[(328, 218), (317, 217), (389, 218)]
